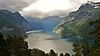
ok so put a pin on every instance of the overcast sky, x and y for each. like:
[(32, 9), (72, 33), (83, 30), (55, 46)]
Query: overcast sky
[(42, 8)]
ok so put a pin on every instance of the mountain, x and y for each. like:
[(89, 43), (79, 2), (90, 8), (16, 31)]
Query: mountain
[(76, 24), (13, 23), (46, 24), (49, 23), (35, 23)]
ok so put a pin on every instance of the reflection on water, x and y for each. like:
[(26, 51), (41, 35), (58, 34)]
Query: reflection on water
[(46, 42)]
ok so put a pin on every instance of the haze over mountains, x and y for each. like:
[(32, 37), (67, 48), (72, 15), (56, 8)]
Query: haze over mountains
[(46, 24), (15, 23)]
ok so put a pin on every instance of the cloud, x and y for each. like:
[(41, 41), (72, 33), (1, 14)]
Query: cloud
[(15, 5), (49, 5), (58, 13), (19, 5), (40, 14), (32, 13), (77, 3)]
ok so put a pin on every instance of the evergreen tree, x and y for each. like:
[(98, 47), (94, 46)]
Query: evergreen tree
[(52, 53), (61, 54), (3, 46), (37, 52), (67, 54), (77, 48), (95, 48), (85, 47), (17, 46)]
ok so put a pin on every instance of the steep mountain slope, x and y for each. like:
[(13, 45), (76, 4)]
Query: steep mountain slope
[(13, 22), (76, 24), (35, 23), (49, 23)]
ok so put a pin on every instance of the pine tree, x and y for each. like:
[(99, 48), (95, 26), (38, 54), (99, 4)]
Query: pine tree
[(77, 48), (52, 53), (3, 46), (17, 46), (67, 54), (85, 47), (61, 54), (95, 49)]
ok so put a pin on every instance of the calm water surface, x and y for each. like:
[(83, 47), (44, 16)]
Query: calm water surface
[(46, 41)]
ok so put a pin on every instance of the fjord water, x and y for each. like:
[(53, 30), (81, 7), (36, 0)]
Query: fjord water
[(48, 40)]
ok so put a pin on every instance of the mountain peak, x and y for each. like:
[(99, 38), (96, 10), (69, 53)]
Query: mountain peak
[(17, 13)]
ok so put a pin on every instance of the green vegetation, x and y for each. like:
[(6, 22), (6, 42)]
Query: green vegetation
[(11, 45), (84, 49), (79, 24), (14, 45)]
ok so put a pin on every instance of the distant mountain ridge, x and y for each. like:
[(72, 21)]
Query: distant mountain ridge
[(35, 23), (14, 23), (47, 24)]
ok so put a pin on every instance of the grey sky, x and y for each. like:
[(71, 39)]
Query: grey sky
[(15, 5), (19, 5)]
